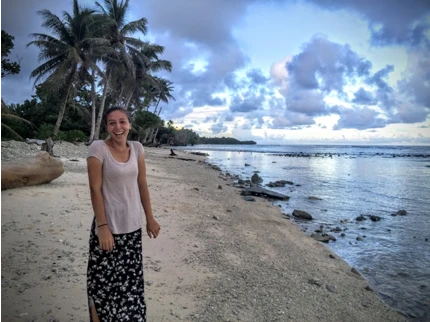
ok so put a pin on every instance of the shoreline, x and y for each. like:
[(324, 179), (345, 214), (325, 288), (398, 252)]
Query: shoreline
[(218, 258)]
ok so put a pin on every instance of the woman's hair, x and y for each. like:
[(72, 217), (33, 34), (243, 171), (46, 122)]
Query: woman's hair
[(117, 108)]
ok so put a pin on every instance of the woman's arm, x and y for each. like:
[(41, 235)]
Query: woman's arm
[(95, 177), (152, 226)]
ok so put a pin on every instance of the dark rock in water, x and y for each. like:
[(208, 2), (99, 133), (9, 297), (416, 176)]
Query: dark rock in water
[(359, 238), (261, 192), (256, 179), (324, 238), (360, 218), (355, 271), (279, 184), (302, 214), (314, 198), (403, 274), (400, 213), (247, 165), (374, 218)]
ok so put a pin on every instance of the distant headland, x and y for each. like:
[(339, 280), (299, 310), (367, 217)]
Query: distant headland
[(223, 140)]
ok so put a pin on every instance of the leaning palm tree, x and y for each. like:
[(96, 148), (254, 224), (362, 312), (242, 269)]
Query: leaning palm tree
[(118, 31), (163, 91), (7, 114), (63, 53), (147, 63)]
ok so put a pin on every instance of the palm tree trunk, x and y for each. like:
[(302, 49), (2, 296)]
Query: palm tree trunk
[(62, 110), (155, 135), (156, 105), (93, 108), (102, 106), (128, 100)]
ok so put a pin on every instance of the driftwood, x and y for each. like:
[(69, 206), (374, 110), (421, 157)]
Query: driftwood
[(261, 192), (172, 153), (48, 146), (30, 171)]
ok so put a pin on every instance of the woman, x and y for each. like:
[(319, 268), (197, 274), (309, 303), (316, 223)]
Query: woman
[(117, 179)]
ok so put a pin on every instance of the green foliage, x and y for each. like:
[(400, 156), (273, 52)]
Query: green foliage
[(7, 67), (185, 137), (45, 131), (11, 122), (145, 119), (76, 136), (223, 140)]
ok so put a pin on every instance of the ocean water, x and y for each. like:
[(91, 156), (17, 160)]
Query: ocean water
[(394, 253)]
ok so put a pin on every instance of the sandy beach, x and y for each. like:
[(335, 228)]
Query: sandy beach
[(218, 257)]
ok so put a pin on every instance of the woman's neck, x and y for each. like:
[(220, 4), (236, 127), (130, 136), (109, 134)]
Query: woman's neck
[(119, 146)]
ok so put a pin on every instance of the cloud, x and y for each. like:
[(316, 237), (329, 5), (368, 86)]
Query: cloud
[(408, 113), (358, 118), (256, 76), (291, 119), (417, 82), (363, 97), (218, 128), (390, 22), (326, 65)]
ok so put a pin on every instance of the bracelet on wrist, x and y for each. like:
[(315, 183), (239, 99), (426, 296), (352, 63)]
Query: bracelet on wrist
[(101, 225)]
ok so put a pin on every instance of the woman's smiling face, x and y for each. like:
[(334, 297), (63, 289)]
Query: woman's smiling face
[(118, 125)]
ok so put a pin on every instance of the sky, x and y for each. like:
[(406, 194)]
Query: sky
[(275, 71)]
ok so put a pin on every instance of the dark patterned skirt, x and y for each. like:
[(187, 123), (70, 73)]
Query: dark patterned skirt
[(115, 279)]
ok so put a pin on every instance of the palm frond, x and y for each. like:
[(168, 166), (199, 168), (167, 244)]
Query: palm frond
[(135, 26)]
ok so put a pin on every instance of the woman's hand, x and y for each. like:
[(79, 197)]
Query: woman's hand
[(152, 228), (106, 241)]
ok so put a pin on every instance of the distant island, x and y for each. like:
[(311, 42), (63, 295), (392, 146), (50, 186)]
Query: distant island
[(223, 140)]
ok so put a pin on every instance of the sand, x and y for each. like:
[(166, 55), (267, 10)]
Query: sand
[(217, 258)]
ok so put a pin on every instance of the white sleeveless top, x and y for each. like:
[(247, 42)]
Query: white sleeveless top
[(120, 189)]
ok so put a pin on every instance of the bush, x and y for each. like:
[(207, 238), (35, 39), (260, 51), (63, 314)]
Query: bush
[(75, 136), (45, 131)]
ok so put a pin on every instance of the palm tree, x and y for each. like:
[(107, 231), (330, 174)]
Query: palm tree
[(118, 31), (147, 63), (6, 113), (64, 54), (163, 91)]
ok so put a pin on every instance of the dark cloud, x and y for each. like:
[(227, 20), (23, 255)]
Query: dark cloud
[(378, 78), (363, 97), (290, 120), (211, 119), (308, 102), (257, 76), (417, 83), (408, 113), (390, 22), (326, 65), (251, 102), (229, 117), (358, 118), (218, 128)]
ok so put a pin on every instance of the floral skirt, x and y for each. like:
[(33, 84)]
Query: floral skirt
[(115, 279)]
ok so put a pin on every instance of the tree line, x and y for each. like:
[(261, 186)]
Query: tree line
[(92, 59)]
